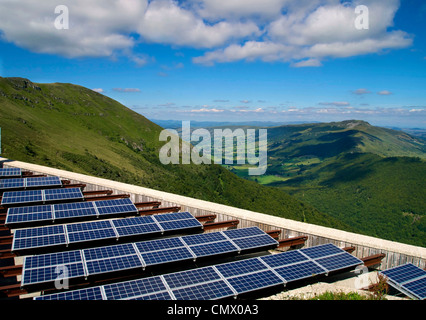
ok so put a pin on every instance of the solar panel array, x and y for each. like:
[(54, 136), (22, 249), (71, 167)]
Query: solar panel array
[(33, 182), (222, 280), (13, 198), (10, 172), (409, 279), (76, 210), (140, 255), (48, 237)]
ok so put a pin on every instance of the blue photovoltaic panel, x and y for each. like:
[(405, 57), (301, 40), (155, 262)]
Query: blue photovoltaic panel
[(339, 261), (403, 273), (63, 194), (257, 241), (75, 209), (173, 216), (91, 235), (12, 183), (134, 288), (10, 172), (116, 206), (321, 251), (17, 197), (181, 224), (245, 232), (299, 271), (204, 238), (94, 293), (255, 281), (113, 264), (132, 221), (43, 181), (48, 268), (232, 269), (38, 232), (138, 229), (38, 242), (190, 277), (84, 226), (207, 249), (409, 279), (160, 244), (48, 274), (417, 288), (280, 259), (53, 259), (109, 251), (28, 214), (163, 256), (205, 291)]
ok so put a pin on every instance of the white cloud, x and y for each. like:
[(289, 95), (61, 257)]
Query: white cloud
[(303, 33), (361, 91), (99, 90), (166, 22), (335, 103), (384, 93), (307, 63)]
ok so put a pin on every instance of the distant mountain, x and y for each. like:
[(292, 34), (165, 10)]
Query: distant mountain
[(176, 124), (371, 178), (70, 127)]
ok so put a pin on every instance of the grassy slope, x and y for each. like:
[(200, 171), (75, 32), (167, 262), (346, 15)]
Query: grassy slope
[(74, 128), (355, 172)]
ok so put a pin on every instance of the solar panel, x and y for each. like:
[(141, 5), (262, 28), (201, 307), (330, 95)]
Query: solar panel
[(181, 224), (63, 194), (281, 259), (240, 267), (229, 279), (256, 241), (339, 261), (255, 281), (134, 288), (160, 244), (163, 256), (409, 279), (94, 293), (173, 216), (299, 271), (246, 232), (48, 268), (22, 197), (74, 209), (207, 249), (23, 183), (12, 183), (109, 251), (38, 237), (321, 250), (20, 215), (205, 291), (203, 238), (40, 196), (113, 264), (10, 172), (43, 181), (190, 277)]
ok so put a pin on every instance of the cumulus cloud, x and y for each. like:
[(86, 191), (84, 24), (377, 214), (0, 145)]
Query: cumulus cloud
[(384, 93), (303, 33), (335, 103), (99, 90)]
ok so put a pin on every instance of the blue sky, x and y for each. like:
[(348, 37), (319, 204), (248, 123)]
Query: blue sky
[(233, 60)]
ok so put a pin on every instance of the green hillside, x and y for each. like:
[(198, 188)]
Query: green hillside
[(371, 178), (73, 128)]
